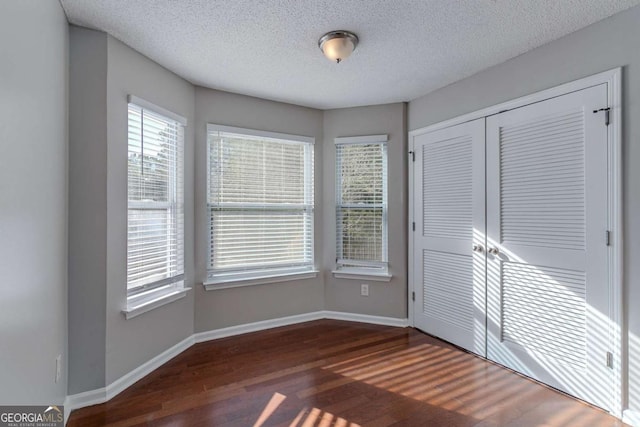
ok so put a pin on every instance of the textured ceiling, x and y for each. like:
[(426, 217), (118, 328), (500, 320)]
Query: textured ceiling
[(268, 48)]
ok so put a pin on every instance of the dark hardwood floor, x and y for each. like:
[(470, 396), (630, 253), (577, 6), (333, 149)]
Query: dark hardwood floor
[(333, 373)]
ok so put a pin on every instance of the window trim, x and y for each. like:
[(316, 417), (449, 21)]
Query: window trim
[(258, 133), (142, 302), (358, 269), (239, 282), (361, 275), (146, 297), (132, 99), (255, 276)]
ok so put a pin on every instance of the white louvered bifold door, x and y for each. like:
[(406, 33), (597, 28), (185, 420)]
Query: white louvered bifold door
[(449, 209), (547, 300)]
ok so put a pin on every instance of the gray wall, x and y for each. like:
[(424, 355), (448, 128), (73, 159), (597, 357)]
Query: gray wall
[(87, 208), (236, 306), (385, 299), (132, 342), (104, 344), (33, 206), (599, 47)]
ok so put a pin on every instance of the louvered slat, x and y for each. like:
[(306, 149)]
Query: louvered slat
[(544, 310), (447, 188), (447, 292), (542, 182)]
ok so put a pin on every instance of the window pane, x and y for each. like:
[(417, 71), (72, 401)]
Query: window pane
[(247, 240), (361, 181), (362, 170), (248, 171), (361, 237), (147, 248), (260, 196), (155, 244), (152, 157)]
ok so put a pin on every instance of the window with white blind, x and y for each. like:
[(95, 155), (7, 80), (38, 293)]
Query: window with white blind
[(361, 204), (155, 218), (260, 204)]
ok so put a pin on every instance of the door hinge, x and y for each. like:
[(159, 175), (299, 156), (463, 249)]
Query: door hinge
[(609, 360), (607, 238), (413, 296), (413, 226), (607, 115), (413, 155)]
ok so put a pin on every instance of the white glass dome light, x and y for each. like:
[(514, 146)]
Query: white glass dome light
[(338, 45)]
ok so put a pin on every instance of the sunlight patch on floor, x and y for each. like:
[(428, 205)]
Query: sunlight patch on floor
[(305, 418)]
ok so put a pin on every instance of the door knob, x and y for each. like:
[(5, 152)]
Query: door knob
[(477, 248), (494, 251)]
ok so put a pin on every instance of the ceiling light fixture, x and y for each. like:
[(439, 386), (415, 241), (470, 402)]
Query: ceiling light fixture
[(338, 45)]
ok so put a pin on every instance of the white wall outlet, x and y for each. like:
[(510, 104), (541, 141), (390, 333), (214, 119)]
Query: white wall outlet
[(364, 290), (58, 367)]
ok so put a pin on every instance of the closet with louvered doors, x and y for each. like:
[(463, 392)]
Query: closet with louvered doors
[(509, 258)]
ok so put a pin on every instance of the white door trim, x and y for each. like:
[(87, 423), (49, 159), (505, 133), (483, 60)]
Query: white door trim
[(613, 79), (411, 291)]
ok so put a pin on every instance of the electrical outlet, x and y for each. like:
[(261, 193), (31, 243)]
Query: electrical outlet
[(58, 367), (364, 290)]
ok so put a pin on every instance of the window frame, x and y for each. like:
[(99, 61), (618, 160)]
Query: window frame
[(353, 268), (150, 295), (235, 277)]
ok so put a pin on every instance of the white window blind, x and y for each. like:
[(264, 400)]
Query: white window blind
[(155, 220), (361, 204), (260, 204)]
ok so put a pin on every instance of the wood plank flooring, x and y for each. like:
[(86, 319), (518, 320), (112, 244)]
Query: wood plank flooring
[(333, 373)]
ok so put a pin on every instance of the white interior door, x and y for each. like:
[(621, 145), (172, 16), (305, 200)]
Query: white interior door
[(548, 294), (449, 215)]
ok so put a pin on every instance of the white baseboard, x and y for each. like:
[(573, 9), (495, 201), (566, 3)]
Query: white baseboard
[(146, 368), (366, 318), (298, 318), (101, 395), (87, 398), (256, 326), (631, 417)]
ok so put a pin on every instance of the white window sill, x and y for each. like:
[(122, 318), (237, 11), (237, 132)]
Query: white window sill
[(376, 277), (139, 305), (215, 285)]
